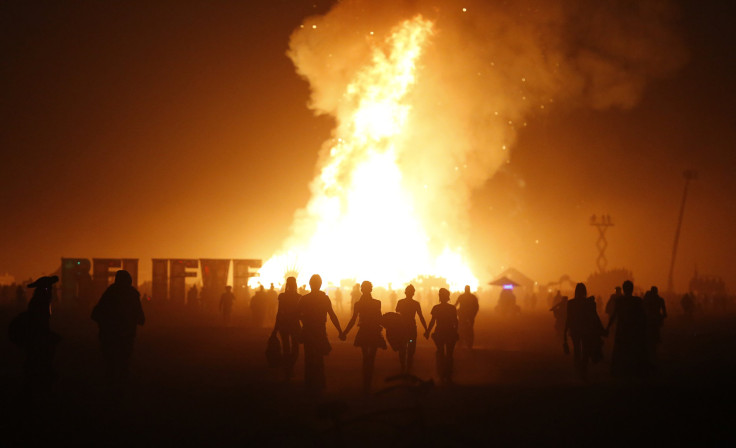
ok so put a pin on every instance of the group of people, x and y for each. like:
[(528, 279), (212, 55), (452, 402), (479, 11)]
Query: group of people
[(637, 324), (118, 314), (302, 320)]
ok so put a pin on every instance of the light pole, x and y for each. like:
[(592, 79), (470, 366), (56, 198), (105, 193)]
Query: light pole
[(689, 175)]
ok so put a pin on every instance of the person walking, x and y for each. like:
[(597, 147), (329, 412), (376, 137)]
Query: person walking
[(409, 309), (369, 337), (445, 335), (287, 326), (118, 314), (313, 310)]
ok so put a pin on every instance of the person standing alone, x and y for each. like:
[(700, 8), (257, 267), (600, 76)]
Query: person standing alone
[(118, 314)]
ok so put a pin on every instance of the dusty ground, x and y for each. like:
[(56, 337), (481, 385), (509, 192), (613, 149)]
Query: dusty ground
[(196, 382)]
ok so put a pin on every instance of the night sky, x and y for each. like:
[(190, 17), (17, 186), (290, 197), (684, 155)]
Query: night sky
[(180, 129)]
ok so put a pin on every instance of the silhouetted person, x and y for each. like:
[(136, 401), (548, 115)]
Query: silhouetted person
[(655, 311), (33, 334), (445, 334), (354, 296), (629, 349), (313, 311), (272, 303), (611, 304), (118, 314), (409, 309), (507, 302), (467, 309), (226, 303), (585, 329), (258, 306), (559, 312), (338, 300), (393, 297), (288, 327), (369, 337)]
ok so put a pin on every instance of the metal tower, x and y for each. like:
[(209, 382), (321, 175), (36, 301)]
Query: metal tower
[(602, 224)]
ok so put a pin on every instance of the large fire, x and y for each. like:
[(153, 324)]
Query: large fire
[(361, 215)]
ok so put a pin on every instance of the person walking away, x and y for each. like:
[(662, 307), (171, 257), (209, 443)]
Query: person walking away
[(409, 309), (31, 331), (559, 312), (445, 335), (467, 309), (118, 314), (287, 326), (226, 303), (354, 296), (629, 348), (655, 310), (369, 337), (313, 310), (585, 329), (258, 306)]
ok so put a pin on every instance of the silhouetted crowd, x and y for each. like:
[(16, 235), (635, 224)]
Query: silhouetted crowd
[(299, 318)]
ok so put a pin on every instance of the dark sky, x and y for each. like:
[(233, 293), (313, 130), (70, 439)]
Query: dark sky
[(180, 129)]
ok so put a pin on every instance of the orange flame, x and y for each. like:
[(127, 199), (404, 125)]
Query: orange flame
[(360, 222)]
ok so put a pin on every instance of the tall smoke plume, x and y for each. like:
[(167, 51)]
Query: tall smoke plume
[(486, 69)]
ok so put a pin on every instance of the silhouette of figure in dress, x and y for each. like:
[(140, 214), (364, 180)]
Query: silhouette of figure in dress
[(118, 314), (369, 337), (629, 349), (288, 327), (445, 335), (467, 309), (313, 310), (409, 309), (585, 329)]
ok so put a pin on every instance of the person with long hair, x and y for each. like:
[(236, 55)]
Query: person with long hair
[(287, 326), (445, 335), (369, 337)]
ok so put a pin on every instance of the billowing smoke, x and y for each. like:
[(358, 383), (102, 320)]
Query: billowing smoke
[(487, 68)]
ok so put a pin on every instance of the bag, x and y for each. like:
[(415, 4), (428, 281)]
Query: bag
[(396, 331), (273, 352), (19, 329)]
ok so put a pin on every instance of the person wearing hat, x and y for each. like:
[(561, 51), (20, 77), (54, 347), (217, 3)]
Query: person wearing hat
[(118, 314), (31, 330)]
